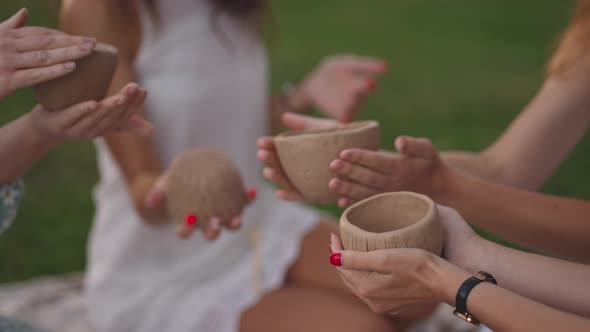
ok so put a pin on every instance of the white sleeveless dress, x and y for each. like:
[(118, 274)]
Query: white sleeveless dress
[(207, 83)]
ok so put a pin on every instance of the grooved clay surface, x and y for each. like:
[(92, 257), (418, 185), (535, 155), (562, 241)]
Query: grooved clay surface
[(306, 156), (392, 220), (206, 183), (89, 81)]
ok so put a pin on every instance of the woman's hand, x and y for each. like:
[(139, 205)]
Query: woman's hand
[(416, 167), (156, 201), (31, 55), (92, 119), (339, 85), (268, 155), (406, 278)]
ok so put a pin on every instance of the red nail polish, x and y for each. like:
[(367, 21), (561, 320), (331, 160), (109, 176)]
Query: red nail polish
[(371, 85), (191, 219), (252, 193), (336, 259), (330, 248)]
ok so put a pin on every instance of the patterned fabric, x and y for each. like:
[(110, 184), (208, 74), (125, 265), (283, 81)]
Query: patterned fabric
[(10, 325), (10, 197)]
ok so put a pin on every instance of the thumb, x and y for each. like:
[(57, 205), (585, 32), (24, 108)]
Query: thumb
[(416, 147), (157, 194), (302, 122), (139, 126), (374, 261), (17, 20)]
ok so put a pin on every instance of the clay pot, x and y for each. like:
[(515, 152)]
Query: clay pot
[(89, 81), (206, 183), (306, 156), (392, 220)]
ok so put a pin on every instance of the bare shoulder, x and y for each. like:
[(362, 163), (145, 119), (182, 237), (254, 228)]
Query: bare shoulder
[(110, 21)]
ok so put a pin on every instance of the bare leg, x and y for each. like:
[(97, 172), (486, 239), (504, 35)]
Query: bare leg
[(296, 309)]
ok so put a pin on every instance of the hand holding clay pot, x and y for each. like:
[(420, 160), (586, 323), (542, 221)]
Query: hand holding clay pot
[(202, 189), (417, 167), (394, 280), (32, 55), (92, 119), (339, 85), (267, 152)]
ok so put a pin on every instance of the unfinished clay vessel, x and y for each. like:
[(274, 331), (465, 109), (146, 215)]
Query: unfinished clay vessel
[(306, 156), (205, 182), (392, 220), (89, 81)]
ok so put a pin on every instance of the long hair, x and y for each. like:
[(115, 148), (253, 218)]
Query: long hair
[(251, 10), (573, 47)]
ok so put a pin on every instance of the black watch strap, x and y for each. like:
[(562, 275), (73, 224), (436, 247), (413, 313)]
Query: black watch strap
[(463, 293)]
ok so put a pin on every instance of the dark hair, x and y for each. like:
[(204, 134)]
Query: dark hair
[(246, 9)]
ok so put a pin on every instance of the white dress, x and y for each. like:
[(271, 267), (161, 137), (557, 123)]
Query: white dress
[(207, 83)]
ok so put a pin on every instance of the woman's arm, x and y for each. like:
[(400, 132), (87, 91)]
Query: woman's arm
[(538, 140), (117, 23), (409, 277), (547, 223)]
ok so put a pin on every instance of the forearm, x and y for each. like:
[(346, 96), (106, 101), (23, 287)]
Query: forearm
[(502, 310), (559, 226), (475, 163), (21, 145), (554, 282)]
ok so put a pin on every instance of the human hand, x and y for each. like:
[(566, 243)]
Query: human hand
[(92, 119), (339, 85), (32, 55), (395, 280), (416, 167), (268, 155), (156, 200)]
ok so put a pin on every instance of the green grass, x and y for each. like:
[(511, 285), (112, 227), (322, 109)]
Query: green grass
[(460, 71)]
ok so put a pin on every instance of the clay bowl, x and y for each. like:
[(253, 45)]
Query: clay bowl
[(392, 220), (306, 156), (206, 183), (89, 81)]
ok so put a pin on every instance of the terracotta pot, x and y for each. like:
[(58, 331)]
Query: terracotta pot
[(306, 156), (392, 220), (89, 81), (205, 182)]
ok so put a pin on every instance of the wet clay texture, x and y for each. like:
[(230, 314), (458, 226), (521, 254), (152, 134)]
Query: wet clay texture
[(205, 182), (392, 220), (306, 156), (89, 81)]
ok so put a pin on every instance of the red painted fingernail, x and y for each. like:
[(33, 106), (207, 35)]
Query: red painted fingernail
[(252, 193), (371, 85), (330, 248), (336, 259), (191, 219)]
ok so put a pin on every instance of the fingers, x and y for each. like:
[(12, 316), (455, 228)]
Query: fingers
[(45, 58), (138, 126), (351, 189), (300, 122), (29, 77), (288, 191), (416, 147), (359, 174), (335, 243), (213, 229), (382, 162), (17, 20), (235, 224), (50, 42), (365, 65), (112, 111), (269, 158), (345, 202), (32, 31), (372, 261), (156, 197), (266, 143)]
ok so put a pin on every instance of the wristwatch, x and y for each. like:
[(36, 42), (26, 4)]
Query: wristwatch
[(461, 299)]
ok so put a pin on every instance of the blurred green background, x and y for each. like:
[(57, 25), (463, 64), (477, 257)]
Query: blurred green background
[(460, 71)]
